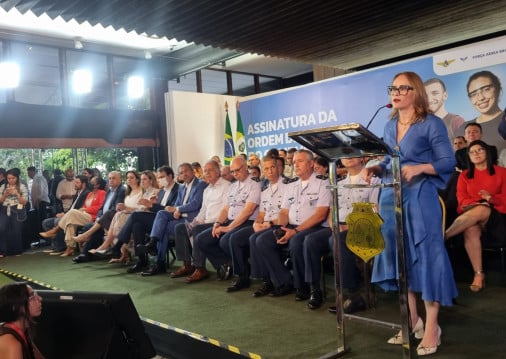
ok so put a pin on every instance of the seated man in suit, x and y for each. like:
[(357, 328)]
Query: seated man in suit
[(187, 206), (139, 223), (93, 234), (215, 197), (81, 191)]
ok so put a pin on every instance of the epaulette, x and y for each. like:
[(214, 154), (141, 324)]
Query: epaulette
[(256, 179), (264, 186), (322, 177), (290, 180)]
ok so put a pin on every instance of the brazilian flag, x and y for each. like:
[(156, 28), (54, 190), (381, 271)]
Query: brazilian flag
[(229, 141), (239, 136)]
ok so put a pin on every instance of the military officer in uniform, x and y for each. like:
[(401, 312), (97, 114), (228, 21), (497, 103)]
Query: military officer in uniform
[(239, 212), (304, 211)]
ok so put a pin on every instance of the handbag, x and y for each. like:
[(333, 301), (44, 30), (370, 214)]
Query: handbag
[(19, 211)]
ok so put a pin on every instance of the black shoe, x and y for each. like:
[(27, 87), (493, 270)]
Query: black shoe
[(224, 272), (157, 269), (356, 304), (302, 294), (149, 247), (139, 267), (239, 284), (266, 288), (316, 299), (281, 291), (82, 258)]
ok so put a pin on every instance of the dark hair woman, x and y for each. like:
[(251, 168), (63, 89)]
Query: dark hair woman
[(19, 304), (13, 198), (481, 195)]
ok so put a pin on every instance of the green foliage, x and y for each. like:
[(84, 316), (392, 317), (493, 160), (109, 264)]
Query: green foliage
[(105, 159)]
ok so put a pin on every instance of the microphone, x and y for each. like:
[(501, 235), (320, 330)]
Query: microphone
[(388, 105)]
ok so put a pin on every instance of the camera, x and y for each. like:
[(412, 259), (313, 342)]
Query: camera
[(278, 233)]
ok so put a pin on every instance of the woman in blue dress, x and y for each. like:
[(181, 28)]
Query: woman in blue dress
[(426, 160)]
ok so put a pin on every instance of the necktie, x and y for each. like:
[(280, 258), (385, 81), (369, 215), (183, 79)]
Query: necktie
[(186, 194)]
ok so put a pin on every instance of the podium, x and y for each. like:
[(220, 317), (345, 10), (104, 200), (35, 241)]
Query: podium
[(349, 141)]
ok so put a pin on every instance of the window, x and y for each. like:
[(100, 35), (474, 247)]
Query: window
[(39, 74)]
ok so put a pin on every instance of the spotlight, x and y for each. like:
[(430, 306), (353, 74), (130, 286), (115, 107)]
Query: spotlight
[(78, 44), (147, 55)]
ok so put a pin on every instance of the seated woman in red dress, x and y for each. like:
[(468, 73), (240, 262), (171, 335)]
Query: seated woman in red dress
[(481, 195), (79, 217)]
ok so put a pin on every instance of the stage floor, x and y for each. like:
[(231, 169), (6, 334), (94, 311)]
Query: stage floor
[(273, 327)]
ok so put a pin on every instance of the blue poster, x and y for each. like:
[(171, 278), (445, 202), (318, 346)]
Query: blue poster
[(354, 98)]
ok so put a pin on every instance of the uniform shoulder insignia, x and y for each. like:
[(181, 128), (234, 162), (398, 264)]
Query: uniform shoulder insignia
[(265, 185), (322, 177), (290, 180), (256, 179)]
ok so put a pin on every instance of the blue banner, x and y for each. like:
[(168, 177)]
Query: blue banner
[(355, 98)]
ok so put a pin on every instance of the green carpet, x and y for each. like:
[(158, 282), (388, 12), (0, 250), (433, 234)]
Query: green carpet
[(273, 327)]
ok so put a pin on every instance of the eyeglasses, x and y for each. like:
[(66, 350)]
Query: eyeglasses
[(484, 90), (477, 151), (401, 90), (237, 170)]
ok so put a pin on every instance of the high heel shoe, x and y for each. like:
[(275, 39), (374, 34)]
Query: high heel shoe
[(421, 350), (478, 287), (80, 238), (417, 329), (124, 259)]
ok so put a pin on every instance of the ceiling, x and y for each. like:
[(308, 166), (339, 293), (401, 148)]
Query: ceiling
[(344, 34)]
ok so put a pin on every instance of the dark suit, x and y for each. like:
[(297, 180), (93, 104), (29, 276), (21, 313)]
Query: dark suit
[(140, 223), (165, 223)]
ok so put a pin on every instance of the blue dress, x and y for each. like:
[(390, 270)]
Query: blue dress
[(428, 267)]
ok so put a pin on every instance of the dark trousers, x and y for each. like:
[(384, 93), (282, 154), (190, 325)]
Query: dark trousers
[(11, 233), (184, 250), (137, 225), (217, 250)]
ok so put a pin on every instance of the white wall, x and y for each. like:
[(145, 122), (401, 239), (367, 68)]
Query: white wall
[(198, 119)]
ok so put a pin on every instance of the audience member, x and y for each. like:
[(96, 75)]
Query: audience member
[(79, 217), (58, 239), (244, 241), (253, 160), (13, 198), (240, 211), (213, 200), (321, 246), (140, 223), (459, 142), (321, 166), (65, 191), (225, 174), (130, 203), (186, 207), (481, 194), (303, 212), (3, 173), (19, 306), (255, 172)]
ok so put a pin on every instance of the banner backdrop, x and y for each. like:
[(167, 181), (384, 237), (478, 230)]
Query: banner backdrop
[(355, 97)]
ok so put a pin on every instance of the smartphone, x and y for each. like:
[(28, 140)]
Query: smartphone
[(278, 233)]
